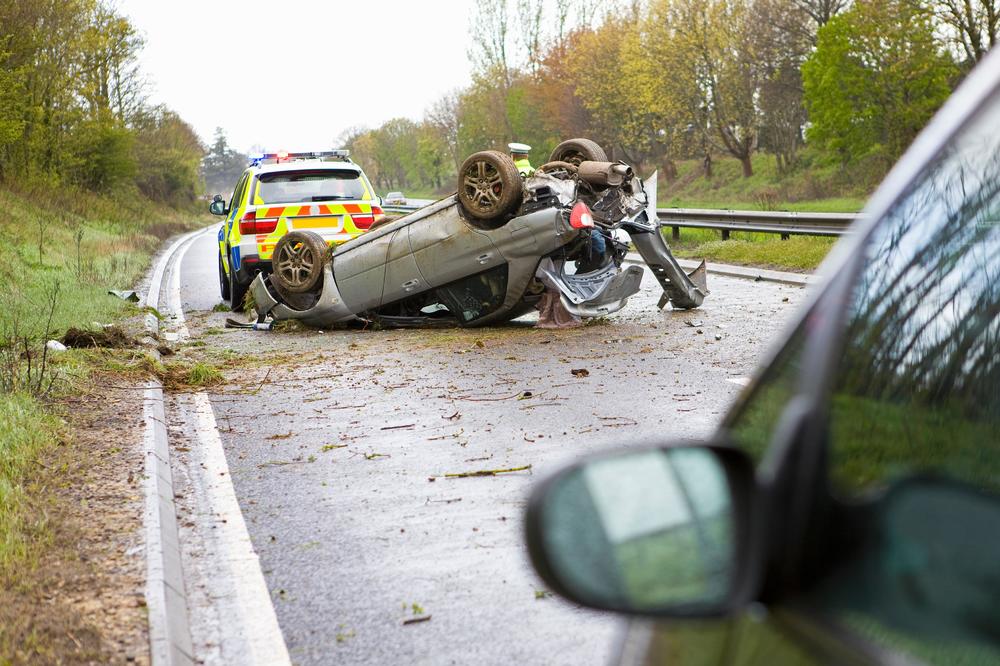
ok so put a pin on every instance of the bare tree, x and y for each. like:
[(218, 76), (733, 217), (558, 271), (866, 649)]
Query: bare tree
[(490, 34), (443, 116), (971, 25)]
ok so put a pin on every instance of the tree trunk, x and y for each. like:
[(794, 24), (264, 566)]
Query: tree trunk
[(747, 166), (669, 170), (707, 166)]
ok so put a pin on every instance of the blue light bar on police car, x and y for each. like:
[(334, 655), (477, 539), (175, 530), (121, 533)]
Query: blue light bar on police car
[(282, 156)]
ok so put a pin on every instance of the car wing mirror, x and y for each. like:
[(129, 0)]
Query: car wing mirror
[(218, 205), (660, 532)]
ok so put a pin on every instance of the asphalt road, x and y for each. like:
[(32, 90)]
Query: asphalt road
[(338, 443)]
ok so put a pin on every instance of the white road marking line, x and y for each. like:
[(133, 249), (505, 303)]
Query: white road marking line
[(739, 381), (254, 620), (174, 303)]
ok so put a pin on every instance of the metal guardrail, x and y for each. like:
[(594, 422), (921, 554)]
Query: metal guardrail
[(727, 221), (768, 222)]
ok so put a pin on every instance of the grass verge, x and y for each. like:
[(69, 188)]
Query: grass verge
[(63, 250), (798, 253)]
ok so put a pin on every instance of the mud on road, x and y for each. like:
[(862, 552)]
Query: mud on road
[(339, 444)]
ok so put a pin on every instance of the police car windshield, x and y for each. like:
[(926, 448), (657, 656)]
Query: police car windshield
[(315, 185)]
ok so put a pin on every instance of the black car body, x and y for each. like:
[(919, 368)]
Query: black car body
[(848, 508)]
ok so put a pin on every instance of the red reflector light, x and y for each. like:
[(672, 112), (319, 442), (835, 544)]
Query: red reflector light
[(366, 220), (267, 225), (249, 224), (580, 217)]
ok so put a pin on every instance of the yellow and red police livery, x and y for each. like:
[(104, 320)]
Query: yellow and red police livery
[(323, 192)]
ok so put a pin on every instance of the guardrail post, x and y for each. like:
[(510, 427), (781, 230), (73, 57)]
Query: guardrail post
[(785, 236), (725, 234), (675, 233)]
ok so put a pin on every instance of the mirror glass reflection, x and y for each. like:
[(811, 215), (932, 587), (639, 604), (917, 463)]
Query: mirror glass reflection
[(644, 531)]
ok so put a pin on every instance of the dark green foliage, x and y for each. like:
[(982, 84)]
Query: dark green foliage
[(73, 109), (875, 79)]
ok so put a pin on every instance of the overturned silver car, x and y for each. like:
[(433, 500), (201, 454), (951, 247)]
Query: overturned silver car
[(488, 253)]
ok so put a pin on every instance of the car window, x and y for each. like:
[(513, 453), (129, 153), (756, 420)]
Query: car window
[(753, 422), (476, 296), (315, 185), (914, 431), (234, 203)]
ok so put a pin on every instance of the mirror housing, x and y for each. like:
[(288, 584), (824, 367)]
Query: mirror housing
[(661, 532), (218, 205)]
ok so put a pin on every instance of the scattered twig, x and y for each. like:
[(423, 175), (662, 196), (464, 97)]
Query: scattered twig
[(415, 620), (486, 472), (398, 427)]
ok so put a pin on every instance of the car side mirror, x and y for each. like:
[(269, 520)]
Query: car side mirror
[(661, 532), (218, 205)]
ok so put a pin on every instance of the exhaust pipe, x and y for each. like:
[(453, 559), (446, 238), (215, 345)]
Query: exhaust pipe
[(605, 174)]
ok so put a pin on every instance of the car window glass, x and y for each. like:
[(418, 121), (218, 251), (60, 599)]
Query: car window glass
[(234, 203), (756, 418), (298, 186), (915, 415), (476, 296)]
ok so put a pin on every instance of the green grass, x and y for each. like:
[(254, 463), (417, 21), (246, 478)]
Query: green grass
[(27, 431), (806, 189), (62, 251), (798, 253)]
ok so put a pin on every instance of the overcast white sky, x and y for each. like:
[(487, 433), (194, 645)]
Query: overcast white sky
[(294, 74)]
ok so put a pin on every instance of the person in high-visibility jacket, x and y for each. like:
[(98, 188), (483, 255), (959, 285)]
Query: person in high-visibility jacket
[(519, 152)]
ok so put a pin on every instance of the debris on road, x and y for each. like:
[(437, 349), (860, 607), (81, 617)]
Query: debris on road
[(486, 472), (109, 337), (417, 620), (580, 372)]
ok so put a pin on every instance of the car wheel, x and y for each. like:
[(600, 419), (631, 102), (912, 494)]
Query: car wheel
[(489, 185), (297, 262), (223, 281), (237, 289), (575, 151)]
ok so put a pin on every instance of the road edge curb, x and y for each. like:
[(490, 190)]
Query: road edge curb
[(743, 272), (170, 641)]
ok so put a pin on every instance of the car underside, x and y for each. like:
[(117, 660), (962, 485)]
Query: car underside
[(488, 253)]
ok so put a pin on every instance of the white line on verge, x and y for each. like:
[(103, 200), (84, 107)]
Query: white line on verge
[(254, 622)]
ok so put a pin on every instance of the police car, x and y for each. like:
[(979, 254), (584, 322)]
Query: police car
[(323, 192)]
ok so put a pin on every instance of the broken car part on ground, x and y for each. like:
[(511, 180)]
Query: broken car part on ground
[(488, 253)]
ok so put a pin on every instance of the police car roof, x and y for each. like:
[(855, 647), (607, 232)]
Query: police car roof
[(314, 164)]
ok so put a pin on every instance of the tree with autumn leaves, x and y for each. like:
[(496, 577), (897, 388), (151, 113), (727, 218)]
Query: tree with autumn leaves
[(654, 81)]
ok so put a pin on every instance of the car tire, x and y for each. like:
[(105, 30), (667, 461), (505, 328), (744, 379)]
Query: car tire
[(489, 186), (237, 289), (298, 261), (575, 151), (223, 281)]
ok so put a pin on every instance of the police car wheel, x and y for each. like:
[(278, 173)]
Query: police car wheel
[(489, 185), (223, 282), (575, 151), (298, 261)]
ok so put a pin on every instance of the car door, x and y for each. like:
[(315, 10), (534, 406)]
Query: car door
[(876, 429)]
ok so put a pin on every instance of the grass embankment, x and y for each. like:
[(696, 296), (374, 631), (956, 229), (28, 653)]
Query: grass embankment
[(61, 252), (808, 189)]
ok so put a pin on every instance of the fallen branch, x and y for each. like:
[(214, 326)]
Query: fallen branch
[(415, 620), (486, 472), (399, 427)]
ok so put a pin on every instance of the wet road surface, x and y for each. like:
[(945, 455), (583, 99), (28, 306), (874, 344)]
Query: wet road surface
[(338, 443)]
